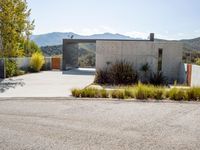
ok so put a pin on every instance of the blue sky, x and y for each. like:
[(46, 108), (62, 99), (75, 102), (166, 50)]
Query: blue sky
[(169, 19)]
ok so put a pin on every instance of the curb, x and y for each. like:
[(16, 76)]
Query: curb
[(93, 99)]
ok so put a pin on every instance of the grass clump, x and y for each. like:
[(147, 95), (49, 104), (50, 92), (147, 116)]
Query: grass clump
[(141, 92), (177, 94), (149, 92), (120, 94), (90, 93), (193, 94), (37, 61), (129, 92)]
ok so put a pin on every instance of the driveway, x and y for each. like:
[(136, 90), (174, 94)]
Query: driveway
[(96, 125), (46, 84)]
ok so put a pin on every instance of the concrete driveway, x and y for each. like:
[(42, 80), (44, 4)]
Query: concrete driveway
[(98, 125), (46, 84)]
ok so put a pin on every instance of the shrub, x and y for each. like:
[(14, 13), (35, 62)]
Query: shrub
[(177, 94), (37, 61), (90, 93), (103, 93), (76, 92), (102, 77), (158, 79), (122, 73), (129, 92), (11, 68), (143, 92), (149, 91), (193, 94), (118, 94), (159, 94)]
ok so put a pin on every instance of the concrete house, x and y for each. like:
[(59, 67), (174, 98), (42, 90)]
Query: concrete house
[(165, 56)]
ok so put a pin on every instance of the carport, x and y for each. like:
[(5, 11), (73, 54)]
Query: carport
[(71, 52)]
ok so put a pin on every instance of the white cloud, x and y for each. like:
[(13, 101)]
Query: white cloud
[(138, 34), (91, 30)]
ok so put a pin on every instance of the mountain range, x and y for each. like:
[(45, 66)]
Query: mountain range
[(55, 38), (51, 42)]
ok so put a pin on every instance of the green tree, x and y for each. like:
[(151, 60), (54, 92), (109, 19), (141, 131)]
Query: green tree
[(15, 26), (31, 47)]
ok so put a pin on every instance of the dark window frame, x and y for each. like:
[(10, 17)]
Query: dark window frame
[(160, 57)]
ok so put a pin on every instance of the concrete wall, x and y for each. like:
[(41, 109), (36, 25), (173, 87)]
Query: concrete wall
[(195, 76), (24, 62), (140, 52)]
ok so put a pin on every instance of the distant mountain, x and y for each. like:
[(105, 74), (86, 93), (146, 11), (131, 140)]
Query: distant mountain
[(51, 42), (55, 38), (192, 44)]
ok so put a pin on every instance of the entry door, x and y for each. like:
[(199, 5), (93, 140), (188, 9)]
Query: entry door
[(56, 62)]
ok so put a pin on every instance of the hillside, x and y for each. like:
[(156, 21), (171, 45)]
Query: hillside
[(48, 41), (193, 44), (56, 38)]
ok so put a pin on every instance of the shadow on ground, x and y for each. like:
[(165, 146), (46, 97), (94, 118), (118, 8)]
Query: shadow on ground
[(80, 71), (10, 83)]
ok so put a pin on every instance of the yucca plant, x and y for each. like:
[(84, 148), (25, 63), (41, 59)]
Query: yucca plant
[(158, 79)]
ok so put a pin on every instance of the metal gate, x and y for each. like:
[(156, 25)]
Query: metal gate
[(2, 69)]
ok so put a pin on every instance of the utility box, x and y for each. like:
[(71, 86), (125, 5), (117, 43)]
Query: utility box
[(2, 69)]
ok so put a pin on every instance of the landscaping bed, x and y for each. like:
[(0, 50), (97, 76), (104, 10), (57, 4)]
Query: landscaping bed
[(141, 92)]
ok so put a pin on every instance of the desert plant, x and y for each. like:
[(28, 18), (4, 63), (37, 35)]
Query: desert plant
[(158, 79), (149, 92), (129, 92), (103, 93), (102, 77), (122, 73), (177, 94), (118, 94), (145, 70), (11, 67), (90, 93), (37, 61), (76, 92), (143, 92), (193, 94), (159, 93)]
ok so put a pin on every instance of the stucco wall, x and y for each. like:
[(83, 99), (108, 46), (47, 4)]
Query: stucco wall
[(139, 53), (195, 76)]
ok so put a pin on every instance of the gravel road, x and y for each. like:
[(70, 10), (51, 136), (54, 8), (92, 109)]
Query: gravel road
[(82, 125)]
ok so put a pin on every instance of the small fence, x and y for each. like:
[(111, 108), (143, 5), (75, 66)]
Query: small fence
[(193, 75), (23, 63)]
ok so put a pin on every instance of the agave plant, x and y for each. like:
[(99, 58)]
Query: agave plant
[(158, 79)]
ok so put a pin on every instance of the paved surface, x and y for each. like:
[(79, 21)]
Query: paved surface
[(46, 84), (98, 125)]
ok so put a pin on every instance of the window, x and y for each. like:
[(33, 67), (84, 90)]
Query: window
[(160, 53)]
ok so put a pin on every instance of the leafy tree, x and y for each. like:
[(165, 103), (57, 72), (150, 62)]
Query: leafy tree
[(15, 26), (31, 47)]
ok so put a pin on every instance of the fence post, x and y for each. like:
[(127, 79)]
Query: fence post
[(189, 74), (2, 69)]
